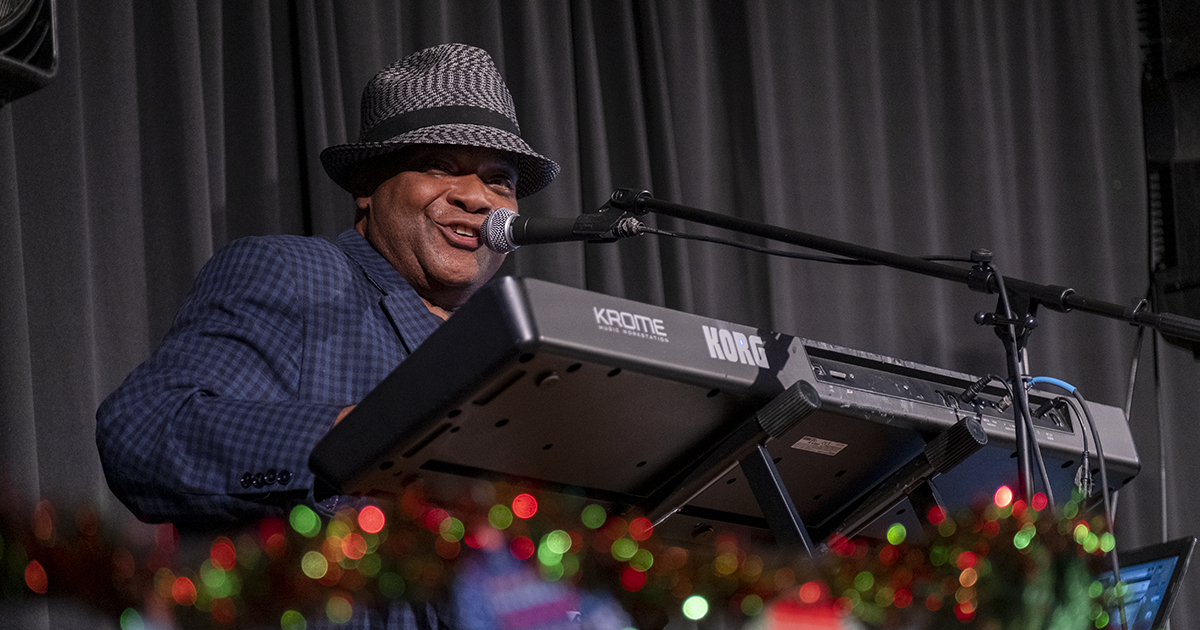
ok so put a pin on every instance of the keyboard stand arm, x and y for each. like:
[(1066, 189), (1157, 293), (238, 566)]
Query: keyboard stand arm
[(746, 446)]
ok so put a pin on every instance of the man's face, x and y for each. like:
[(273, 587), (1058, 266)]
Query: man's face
[(426, 219)]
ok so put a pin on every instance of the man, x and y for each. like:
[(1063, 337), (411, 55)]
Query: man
[(281, 335)]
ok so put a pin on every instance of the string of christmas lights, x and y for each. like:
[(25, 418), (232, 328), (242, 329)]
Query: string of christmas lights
[(1006, 565)]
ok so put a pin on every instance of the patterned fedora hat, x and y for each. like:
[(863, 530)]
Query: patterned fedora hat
[(447, 94)]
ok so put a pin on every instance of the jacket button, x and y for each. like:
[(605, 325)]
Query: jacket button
[(270, 477), (247, 479), (284, 476), (258, 480)]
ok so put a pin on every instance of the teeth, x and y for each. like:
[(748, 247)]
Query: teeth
[(466, 231)]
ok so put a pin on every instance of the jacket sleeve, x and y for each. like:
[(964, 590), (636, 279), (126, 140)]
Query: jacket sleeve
[(212, 427)]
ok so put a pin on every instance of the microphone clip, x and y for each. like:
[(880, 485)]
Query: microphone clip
[(606, 226)]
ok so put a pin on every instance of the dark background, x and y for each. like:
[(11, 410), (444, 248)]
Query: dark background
[(932, 127)]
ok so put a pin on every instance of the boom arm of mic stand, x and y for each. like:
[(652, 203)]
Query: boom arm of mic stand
[(1058, 298)]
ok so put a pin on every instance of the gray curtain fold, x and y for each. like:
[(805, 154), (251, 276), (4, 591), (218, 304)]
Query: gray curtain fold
[(923, 127)]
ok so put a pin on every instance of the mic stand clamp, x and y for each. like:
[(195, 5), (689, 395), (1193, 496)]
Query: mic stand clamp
[(628, 200)]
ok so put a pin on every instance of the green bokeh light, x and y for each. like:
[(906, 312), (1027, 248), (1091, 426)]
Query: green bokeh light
[(131, 620), (305, 521), (896, 534), (1107, 542), (292, 620), (452, 529), (314, 565), (215, 580), (642, 560), (551, 572), (337, 529), (338, 609), (1022, 538), (752, 605), (695, 607), (500, 516), (391, 585), (570, 564), (864, 581), (547, 556), (594, 516), (624, 548), (558, 541), (939, 555), (370, 565)]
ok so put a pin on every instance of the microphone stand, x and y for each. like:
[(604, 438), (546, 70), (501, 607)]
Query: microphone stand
[(1012, 328)]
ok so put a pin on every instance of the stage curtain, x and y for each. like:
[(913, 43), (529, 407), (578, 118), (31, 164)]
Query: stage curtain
[(922, 127)]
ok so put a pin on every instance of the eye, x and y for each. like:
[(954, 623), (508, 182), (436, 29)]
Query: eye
[(504, 182)]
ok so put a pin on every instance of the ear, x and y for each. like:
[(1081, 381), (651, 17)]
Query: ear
[(363, 208)]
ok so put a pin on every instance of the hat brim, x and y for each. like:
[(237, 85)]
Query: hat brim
[(534, 171)]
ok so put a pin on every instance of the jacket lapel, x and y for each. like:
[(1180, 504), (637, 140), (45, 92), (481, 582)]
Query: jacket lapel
[(404, 309)]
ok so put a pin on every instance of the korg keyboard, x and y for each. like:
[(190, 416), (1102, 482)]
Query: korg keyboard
[(579, 392)]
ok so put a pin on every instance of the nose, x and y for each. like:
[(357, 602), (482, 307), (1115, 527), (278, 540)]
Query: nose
[(469, 193)]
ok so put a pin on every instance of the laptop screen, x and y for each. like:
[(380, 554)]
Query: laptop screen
[(1153, 575)]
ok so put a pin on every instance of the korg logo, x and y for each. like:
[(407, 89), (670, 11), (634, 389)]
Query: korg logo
[(612, 320), (735, 347)]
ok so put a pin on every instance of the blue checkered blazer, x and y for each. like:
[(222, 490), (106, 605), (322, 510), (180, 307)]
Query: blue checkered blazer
[(277, 335)]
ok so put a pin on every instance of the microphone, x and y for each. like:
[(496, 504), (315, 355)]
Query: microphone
[(504, 230)]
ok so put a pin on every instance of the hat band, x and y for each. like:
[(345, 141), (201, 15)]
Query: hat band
[(450, 114)]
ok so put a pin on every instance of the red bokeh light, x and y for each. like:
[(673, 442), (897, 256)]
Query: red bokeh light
[(371, 519), (632, 580), (223, 554), (640, 528), (522, 548), (183, 591), (1040, 501), (1004, 496), (810, 592), (482, 535), (224, 611), (524, 505), (434, 518), (354, 546), (35, 578)]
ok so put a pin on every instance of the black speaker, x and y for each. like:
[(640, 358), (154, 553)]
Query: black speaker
[(28, 47), (1171, 127)]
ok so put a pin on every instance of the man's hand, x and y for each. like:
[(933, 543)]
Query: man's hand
[(343, 413)]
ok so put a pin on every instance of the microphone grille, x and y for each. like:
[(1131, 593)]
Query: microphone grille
[(495, 230)]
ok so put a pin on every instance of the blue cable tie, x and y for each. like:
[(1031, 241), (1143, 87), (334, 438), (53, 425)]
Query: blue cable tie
[(1053, 381)]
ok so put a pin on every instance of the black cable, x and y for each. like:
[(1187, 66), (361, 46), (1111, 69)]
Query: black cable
[(1109, 517), (1108, 514), (1020, 398)]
